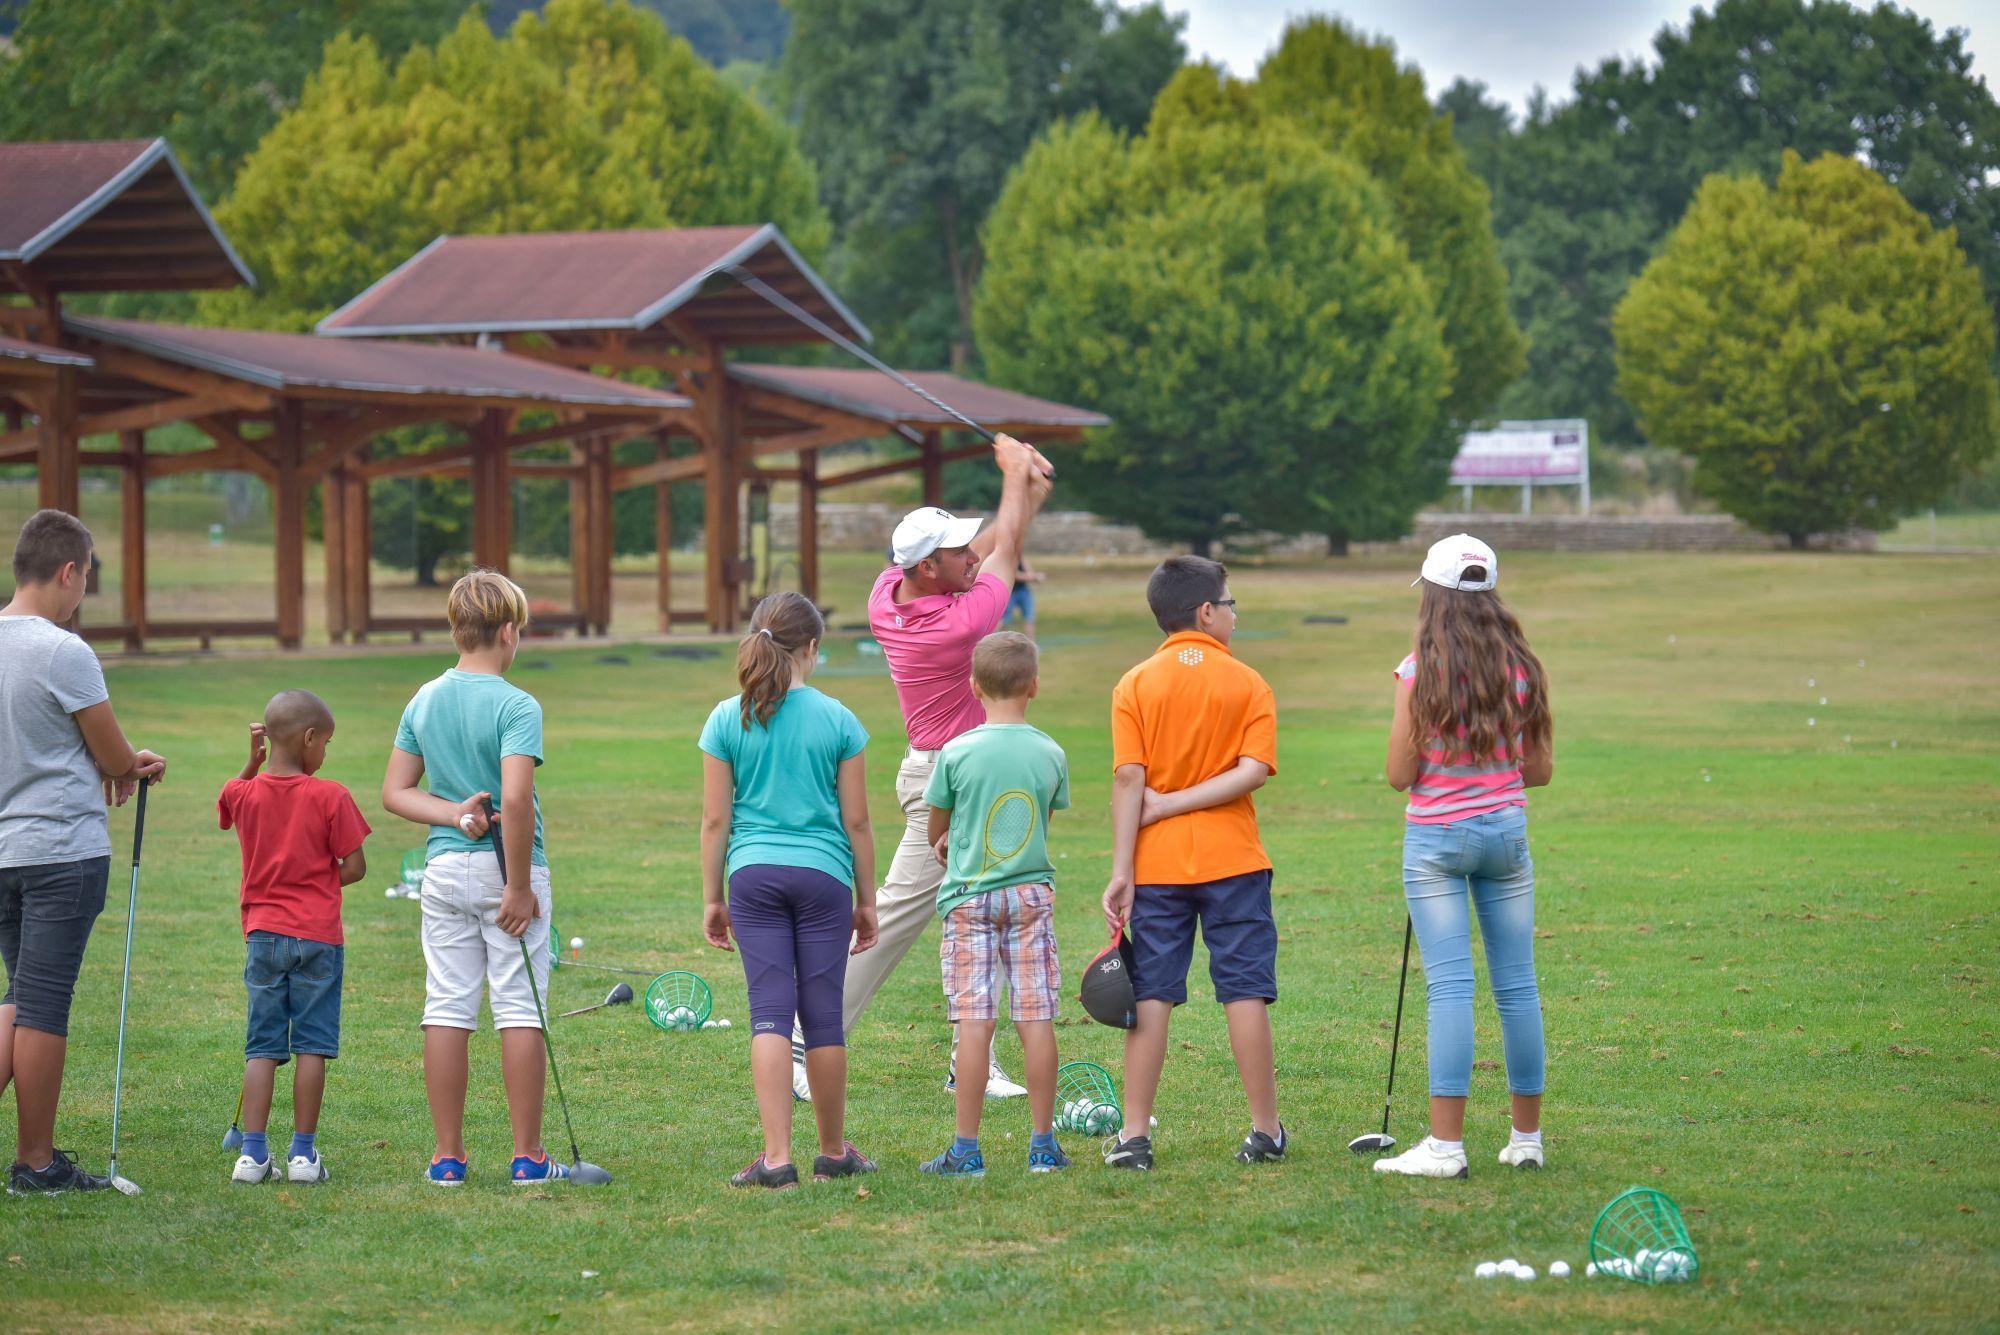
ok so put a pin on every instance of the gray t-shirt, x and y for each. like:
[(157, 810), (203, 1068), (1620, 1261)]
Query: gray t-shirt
[(51, 795)]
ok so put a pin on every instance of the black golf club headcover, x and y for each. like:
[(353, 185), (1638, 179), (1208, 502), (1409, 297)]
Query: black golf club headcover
[(1107, 986)]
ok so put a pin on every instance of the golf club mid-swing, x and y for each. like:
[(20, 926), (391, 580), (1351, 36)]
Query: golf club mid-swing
[(618, 996), (118, 1180), (1374, 1143), (581, 1173)]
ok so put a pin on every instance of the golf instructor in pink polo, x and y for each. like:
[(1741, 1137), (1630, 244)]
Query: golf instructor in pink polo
[(946, 589)]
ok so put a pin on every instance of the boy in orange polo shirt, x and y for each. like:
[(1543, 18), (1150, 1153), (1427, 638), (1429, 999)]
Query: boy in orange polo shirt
[(1194, 733)]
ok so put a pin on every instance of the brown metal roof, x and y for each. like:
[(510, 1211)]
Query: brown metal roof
[(566, 282), (20, 349), (108, 216), (302, 363), (871, 394)]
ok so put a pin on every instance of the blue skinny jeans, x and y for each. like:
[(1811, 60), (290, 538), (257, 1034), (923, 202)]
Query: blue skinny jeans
[(1488, 856)]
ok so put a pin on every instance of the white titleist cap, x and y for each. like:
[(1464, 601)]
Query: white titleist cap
[(1448, 560), (925, 531)]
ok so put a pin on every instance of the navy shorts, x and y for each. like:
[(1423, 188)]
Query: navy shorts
[(294, 988), (1236, 926), (46, 913)]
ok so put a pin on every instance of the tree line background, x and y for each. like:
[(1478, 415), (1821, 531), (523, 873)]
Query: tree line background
[(1773, 247)]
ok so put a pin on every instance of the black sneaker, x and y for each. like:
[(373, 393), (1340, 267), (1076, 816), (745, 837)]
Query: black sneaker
[(1136, 1153), (1260, 1148), (851, 1161), (757, 1173), (61, 1175)]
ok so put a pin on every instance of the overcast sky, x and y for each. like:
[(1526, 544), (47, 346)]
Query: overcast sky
[(1509, 45)]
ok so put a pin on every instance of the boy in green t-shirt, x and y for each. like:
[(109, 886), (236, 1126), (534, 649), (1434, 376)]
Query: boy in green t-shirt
[(998, 895)]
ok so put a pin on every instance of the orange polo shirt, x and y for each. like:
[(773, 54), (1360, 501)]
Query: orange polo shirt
[(1189, 713)]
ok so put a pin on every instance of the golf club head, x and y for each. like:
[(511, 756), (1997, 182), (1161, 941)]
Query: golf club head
[(125, 1185), (619, 995), (1375, 1142), (232, 1139), (585, 1174)]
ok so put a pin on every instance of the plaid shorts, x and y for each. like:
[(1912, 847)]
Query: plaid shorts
[(1012, 930)]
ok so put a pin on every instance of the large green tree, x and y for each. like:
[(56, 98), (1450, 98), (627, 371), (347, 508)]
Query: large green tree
[(588, 115), (916, 110), (210, 75), (1235, 295), (1818, 346), (1586, 191)]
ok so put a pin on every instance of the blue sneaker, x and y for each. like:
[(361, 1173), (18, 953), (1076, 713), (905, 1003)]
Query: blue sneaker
[(1046, 1160), (952, 1165), (447, 1172), (527, 1172)]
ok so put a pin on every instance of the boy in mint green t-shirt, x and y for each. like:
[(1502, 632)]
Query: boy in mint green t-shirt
[(991, 796)]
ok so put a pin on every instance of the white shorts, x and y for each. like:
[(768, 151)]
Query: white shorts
[(464, 946)]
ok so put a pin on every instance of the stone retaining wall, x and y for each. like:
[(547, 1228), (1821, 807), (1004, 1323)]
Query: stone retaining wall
[(866, 527)]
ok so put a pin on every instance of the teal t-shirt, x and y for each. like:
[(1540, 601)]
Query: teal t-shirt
[(1001, 781), (461, 725), (787, 808)]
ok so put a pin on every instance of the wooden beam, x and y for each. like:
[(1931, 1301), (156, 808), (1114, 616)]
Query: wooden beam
[(158, 413), (663, 543), (341, 436), (288, 527), (895, 466), (683, 469), (758, 399), (492, 494), (333, 494), (153, 371), (132, 541), (221, 459), (623, 359), (356, 548), (57, 468), (720, 485), (809, 524), (933, 467), (414, 465), (222, 430), (20, 444)]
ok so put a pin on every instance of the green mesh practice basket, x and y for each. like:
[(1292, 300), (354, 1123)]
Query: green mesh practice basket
[(678, 1001), (1640, 1236), (555, 944), (413, 868), (1086, 1100)]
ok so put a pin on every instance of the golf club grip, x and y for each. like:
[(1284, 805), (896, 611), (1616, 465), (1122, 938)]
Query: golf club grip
[(139, 821)]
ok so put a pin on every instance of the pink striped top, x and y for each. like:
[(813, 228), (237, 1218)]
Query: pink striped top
[(1457, 785)]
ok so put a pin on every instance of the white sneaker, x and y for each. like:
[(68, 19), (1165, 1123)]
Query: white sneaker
[(1425, 1159), (801, 1091), (250, 1171), (302, 1169), (1522, 1154), (998, 1086)]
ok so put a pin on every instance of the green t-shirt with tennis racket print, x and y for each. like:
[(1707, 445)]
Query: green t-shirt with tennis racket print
[(1000, 781)]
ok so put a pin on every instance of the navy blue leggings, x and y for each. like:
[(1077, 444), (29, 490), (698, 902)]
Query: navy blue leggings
[(792, 927)]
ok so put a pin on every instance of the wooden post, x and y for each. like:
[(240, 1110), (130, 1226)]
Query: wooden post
[(579, 540), (933, 469), (604, 532), (288, 493), (492, 494), (132, 539), (58, 464), (663, 540), (333, 492), (721, 481), (809, 523), (357, 547)]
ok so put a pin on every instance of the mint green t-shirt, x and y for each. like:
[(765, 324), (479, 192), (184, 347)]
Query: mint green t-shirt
[(787, 807), (461, 725), (1000, 781)]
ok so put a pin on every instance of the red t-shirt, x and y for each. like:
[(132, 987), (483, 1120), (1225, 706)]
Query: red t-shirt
[(294, 830)]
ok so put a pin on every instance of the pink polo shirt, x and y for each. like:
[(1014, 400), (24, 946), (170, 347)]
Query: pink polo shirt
[(928, 644)]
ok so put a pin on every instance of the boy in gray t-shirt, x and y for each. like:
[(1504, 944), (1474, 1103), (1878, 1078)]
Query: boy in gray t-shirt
[(67, 758)]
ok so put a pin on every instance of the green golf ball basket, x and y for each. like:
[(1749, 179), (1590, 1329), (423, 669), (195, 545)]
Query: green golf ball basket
[(678, 1001), (1086, 1100), (413, 868), (1640, 1236)]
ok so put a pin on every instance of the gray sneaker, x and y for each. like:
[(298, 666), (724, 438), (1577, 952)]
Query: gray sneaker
[(60, 1176)]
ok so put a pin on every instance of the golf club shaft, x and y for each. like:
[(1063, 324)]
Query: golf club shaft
[(125, 988), (820, 327), (1396, 1038), (528, 962), (583, 1010)]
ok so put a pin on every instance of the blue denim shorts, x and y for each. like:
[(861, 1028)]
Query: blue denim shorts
[(294, 988), (1236, 926)]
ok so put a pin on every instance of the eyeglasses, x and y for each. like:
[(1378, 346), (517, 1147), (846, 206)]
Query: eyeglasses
[(1229, 603)]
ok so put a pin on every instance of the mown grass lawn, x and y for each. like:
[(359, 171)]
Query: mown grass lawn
[(1768, 956)]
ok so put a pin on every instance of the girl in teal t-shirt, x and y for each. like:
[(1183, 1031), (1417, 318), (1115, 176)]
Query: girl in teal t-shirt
[(784, 823)]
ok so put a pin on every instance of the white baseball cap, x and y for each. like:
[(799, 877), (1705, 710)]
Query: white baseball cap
[(925, 531), (1449, 558)]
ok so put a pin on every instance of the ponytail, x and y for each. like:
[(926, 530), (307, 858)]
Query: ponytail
[(781, 626)]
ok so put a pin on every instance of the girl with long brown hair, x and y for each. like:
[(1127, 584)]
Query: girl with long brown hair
[(1471, 733), (785, 823)]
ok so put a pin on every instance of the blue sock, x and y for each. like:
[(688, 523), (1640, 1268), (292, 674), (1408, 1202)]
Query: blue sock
[(257, 1145), (961, 1146), (302, 1145), (1042, 1140)]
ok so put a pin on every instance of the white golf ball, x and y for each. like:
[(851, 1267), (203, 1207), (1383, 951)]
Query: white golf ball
[(1812, 723), (576, 943), (393, 891), (1559, 1270), (1590, 1270), (1485, 1270), (1510, 1265), (465, 823), (1822, 699), (1811, 682), (1526, 1272), (723, 1022)]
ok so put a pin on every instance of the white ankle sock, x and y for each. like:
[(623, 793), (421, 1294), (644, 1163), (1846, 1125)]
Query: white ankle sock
[(1448, 1146), (1527, 1137)]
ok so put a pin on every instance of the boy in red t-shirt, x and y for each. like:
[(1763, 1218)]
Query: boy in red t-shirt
[(301, 841)]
